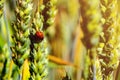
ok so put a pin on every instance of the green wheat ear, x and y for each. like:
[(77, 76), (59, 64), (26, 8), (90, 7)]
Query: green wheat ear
[(1, 7), (43, 18), (38, 53), (20, 38), (49, 12), (91, 27), (108, 54)]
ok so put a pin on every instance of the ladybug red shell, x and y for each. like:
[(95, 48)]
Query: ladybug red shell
[(39, 34), (37, 37)]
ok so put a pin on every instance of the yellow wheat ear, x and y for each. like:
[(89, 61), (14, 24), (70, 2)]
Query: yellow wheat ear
[(109, 54), (91, 28)]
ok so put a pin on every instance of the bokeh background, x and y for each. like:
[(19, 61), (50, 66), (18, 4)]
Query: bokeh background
[(83, 42)]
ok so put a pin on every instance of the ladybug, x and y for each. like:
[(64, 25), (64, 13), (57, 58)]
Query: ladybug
[(37, 37)]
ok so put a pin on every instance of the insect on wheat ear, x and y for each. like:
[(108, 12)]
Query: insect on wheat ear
[(37, 37)]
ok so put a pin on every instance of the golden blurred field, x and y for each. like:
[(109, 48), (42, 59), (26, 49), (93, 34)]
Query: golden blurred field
[(59, 39)]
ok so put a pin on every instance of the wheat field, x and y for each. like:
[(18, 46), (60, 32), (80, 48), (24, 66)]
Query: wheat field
[(59, 39)]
